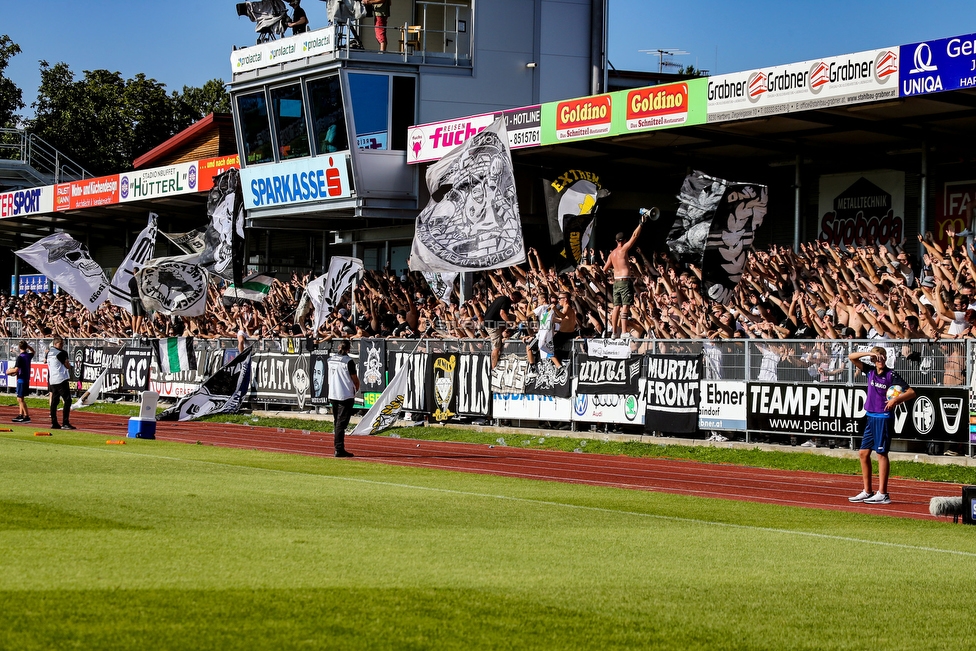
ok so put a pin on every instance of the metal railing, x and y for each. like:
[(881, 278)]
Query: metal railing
[(44, 163)]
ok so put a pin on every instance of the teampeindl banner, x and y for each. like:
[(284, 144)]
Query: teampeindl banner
[(816, 84), (939, 65)]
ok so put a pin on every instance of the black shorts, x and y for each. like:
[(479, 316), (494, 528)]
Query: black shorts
[(137, 308)]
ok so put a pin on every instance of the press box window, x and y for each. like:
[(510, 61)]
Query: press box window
[(289, 114), (328, 118), (370, 107), (252, 110)]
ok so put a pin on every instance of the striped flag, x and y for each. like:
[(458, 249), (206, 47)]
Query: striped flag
[(254, 288), (175, 355)]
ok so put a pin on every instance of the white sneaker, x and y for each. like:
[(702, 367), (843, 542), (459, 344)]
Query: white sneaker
[(860, 497), (878, 498), (809, 444)]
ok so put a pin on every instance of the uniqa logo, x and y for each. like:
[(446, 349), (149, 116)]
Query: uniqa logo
[(923, 60)]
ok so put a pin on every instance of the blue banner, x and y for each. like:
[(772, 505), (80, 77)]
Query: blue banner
[(36, 283), (939, 65)]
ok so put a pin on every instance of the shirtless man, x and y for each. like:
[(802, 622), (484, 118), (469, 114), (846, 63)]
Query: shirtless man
[(623, 283), (566, 325)]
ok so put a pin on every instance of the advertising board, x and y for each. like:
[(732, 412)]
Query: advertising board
[(868, 205), (431, 141), (940, 65), (299, 181), (30, 201)]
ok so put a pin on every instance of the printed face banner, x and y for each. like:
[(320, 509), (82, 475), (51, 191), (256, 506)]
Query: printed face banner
[(571, 203), (869, 206), (372, 369), (673, 393), (816, 84), (547, 379), (173, 287), (936, 66), (509, 375), (442, 389), (472, 221), (223, 253), (474, 385), (595, 376), (723, 405), (698, 200), (67, 262), (280, 378), (143, 249), (318, 370), (135, 368)]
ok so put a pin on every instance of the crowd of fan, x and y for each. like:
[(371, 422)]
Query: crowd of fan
[(820, 291)]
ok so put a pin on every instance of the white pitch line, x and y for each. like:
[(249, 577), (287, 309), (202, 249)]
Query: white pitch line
[(581, 507)]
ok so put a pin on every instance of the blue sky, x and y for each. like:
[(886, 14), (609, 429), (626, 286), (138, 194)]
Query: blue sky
[(187, 42)]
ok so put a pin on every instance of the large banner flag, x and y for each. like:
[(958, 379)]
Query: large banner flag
[(141, 251), (175, 354), (388, 408), (255, 287), (88, 398), (716, 225), (472, 220), (173, 287), (66, 261), (571, 203), (190, 242), (326, 291), (223, 253), (222, 393)]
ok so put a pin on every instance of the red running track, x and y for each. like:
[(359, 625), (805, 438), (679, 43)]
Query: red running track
[(910, 498)]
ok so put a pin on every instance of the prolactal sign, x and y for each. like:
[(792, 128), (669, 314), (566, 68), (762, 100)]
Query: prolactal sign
[(821, 83), (301, 181), (935, 66), (282, 50)]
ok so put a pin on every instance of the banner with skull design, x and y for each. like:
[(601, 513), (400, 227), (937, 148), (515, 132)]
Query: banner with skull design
[(173, 287), (715, 226), (66, 261), (472, 220), (372, 368)]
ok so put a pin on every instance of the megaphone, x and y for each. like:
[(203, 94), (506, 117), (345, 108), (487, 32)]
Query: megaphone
[(649, 213)]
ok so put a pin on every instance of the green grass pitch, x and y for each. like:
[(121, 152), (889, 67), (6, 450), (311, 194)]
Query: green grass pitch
[(156, 545)]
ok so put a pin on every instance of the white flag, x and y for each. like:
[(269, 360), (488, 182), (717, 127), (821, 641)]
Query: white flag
[(66, 261), (386, 411), (142, 250), (326, 291), (441, 284), (89, 397), (173, 287), (472, 221)]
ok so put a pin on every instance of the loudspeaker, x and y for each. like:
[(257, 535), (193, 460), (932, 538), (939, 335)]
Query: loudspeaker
[(969, 504)]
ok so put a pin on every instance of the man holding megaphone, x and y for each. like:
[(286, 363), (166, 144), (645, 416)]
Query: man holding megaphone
[(623, 280)]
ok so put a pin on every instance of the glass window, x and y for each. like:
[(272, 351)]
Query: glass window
[(404, 101), (289, 114), (328, 118), (371, 108), (256, 130)]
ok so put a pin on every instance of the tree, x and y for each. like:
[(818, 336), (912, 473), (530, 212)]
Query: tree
[(11, 97), (212, 97)]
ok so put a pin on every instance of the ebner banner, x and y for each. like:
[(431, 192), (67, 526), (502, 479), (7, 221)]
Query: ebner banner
[(596, 376), (673, 393), (816, 84)]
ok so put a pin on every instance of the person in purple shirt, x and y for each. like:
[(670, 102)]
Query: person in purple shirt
[(877, 426), (22, 369)]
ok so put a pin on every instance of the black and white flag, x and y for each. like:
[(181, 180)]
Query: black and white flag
[(441, 284), (673, 393), (472, 220), (388, 408), (173, 287), (326, 291), (191, 242), (596, 376), (141, 251), (547, 379), (699, 198), (66, 261), (571, 203), (222, 393), (223, 254)]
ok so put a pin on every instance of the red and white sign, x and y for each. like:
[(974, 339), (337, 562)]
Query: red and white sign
[(89, 193), (32, 201), (38, 378), (431, 141), (657, 106), (584, 117)]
